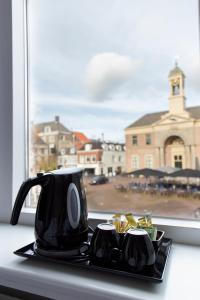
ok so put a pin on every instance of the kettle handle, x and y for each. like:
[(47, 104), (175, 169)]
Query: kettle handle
[(21, 196)]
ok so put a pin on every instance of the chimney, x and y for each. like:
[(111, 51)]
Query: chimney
[(57, 119)]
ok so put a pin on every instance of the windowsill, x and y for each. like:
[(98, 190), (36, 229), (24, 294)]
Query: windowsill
[(64, 282), (180, 230)]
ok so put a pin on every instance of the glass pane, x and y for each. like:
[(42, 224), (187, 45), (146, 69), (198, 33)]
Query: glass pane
[(113, 88)]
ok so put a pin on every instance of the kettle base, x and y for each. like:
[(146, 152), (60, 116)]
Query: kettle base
[(68, 253)]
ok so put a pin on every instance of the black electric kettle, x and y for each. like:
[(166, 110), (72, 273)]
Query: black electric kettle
[(61, 215)]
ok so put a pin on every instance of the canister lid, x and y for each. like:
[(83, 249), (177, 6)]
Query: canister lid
[(106, 226), (137, 231)]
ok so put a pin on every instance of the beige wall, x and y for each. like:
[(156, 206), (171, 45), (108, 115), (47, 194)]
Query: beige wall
[(141, 150), (188, 131)]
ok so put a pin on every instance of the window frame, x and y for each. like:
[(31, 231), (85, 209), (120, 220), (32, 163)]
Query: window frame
[(148, 139), (181, 230), (134, 140), (5, 110), (149, 158), (20, 108), (135, 161)]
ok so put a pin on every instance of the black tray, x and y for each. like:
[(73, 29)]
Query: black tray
[(155, 274)]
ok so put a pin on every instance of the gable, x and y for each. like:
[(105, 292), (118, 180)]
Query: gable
[(154, 118), (171, 119)]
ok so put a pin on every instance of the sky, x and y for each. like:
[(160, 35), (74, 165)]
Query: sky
[(102, 64)]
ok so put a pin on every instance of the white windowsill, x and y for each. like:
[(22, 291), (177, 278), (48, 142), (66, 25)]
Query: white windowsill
[(179, 230), (64, 282)]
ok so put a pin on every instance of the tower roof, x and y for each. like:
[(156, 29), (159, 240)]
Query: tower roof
[(176, 71)]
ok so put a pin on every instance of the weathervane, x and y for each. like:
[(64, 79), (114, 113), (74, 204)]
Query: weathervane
[(176, 58)]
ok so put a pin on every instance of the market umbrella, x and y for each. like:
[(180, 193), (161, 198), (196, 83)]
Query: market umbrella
[(148, 173), (188, 173)]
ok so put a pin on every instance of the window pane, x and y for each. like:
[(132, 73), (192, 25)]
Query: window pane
[(114, 87), (134, 140), (148, 139)]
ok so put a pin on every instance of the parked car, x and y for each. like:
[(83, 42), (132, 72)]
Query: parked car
[(100, 179)]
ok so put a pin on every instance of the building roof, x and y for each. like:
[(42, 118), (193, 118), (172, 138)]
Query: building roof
[(99, 145), (54, 125), (81, 137), (150, 119), (96, 145), (176, 71), (36, 140)]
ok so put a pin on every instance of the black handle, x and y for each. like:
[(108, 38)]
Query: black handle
[(21, 196)]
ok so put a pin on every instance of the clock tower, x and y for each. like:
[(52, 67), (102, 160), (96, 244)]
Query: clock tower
[(177, 92)]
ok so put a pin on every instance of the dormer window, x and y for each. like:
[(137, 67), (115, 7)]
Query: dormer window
[(88, 147), (119, 148), (111, 147), (47, 129), (105, 147)]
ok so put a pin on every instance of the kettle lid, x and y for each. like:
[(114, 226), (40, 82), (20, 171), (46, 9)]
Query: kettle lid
[(67, 171)]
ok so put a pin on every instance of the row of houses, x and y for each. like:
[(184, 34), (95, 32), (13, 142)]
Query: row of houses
[(53, 145)]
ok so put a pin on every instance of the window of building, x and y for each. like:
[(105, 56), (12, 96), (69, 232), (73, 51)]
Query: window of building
[(52, 150), (149, 161), (178, 161), (148, 139), (88, 147), (104, 147), (62, 137), (94, 158), (47, 129), (134, 140), (110, 169), (81, 159), (135, 162), (87, 159)]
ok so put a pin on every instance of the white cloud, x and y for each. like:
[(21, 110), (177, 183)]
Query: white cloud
[(108, 71)]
